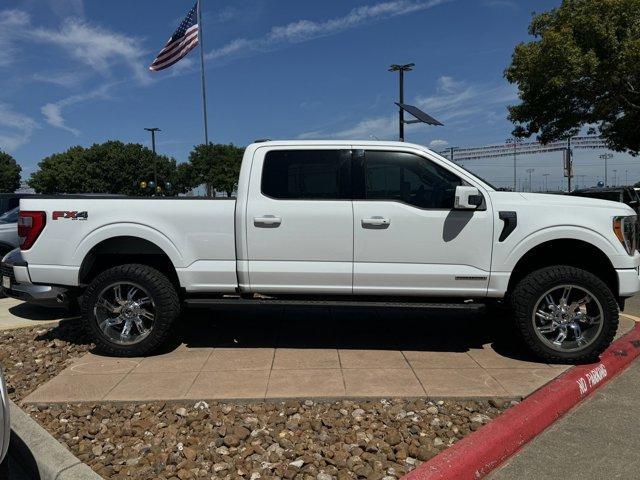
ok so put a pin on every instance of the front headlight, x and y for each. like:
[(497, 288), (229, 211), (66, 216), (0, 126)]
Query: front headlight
[(627, 231)]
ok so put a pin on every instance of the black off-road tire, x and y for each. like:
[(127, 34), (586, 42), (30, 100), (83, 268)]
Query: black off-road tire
[(161, 290), (4, 469), (530, 288)]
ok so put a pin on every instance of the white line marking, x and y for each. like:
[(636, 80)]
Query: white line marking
[(635, 319)]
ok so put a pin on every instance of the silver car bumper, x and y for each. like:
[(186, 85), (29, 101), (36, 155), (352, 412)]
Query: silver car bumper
[(5, 420), (15, 283)]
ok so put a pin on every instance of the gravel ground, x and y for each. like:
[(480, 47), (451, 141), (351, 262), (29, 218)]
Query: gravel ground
[(373, 440)]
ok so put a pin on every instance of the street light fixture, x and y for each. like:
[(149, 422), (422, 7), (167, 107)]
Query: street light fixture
[(530, 171), (419, 115), (401, 69), (153, 148), (606, 157)]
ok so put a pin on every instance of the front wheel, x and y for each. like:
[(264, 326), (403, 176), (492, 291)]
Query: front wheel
[(129, 310), (565, 314)]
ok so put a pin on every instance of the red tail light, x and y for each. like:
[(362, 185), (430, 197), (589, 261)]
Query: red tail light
[(30, 226)]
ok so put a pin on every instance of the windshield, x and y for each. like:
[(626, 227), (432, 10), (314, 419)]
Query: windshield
[(11, 216), (477, 176)]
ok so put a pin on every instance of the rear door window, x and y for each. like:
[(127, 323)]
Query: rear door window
[(307, 175)]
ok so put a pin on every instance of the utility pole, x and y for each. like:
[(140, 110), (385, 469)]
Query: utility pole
[(530, 171), (569, 164), (546, 177), (606, 157), (401, 69), (153, 148), (515, 141)]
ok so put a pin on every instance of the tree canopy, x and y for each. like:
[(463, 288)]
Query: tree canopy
[(111, 167), (581, 69), (9, 173), (217, 166)]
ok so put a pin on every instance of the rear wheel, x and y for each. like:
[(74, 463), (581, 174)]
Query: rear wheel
[(129, 310), (565, 314), (4, 469)]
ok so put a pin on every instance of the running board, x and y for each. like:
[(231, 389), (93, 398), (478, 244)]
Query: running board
[(209, 302)]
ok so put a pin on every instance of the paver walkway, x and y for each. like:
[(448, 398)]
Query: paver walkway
[(17, 314), (275, 352)]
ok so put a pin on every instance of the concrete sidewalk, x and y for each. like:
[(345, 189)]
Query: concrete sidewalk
[(18, 314), (598, 439)]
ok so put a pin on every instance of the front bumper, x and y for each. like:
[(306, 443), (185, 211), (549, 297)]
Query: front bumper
[(16, 283), (628, 281)]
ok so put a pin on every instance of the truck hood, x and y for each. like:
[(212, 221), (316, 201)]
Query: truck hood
[(547, 200)]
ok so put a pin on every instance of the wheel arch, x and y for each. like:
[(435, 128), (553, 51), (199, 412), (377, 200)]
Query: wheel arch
[(566, 251), (123, 249)]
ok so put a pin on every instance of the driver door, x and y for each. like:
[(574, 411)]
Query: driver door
[(408, 239)]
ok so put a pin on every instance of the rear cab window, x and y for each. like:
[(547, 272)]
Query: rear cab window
[(307, 175)]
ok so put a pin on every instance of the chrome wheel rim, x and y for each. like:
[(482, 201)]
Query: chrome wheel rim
[(125, 313), (568, 318)]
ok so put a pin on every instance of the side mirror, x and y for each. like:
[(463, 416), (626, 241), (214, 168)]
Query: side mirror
[(467, 198)]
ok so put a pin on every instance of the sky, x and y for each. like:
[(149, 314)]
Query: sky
[(75, 72)]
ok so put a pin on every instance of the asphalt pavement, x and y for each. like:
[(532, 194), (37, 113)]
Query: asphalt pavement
[(598, 439)]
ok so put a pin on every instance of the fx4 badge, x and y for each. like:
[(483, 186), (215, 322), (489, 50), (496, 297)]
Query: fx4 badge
[(70, 215)]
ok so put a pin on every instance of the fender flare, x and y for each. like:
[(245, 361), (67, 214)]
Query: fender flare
[(144, 232), (560, 232)]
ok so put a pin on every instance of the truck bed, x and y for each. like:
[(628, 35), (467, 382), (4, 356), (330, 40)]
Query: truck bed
[(197, 234)]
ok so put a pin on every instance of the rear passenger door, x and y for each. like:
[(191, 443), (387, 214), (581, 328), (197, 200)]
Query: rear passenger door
[(300, 221)]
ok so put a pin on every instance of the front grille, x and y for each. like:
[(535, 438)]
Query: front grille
[(7, 271)]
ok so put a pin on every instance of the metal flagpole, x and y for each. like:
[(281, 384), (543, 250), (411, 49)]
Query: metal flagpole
[(204, 90)]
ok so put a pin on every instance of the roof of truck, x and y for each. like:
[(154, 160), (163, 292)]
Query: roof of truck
[(364, 143)]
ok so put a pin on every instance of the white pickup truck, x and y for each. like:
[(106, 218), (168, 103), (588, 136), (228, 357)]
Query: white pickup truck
[(338, 222)]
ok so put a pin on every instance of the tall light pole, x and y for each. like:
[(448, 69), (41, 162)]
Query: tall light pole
[(615, 177), (401, 69), (606, 157), (626, 178), (153, 148), (530, 171), (515, 141), (546, 176)]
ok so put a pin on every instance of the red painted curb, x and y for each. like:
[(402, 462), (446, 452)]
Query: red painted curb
[(482, 451)]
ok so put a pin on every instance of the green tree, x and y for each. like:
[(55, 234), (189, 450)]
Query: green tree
[(9, 173), (581, 69), (217, 166), (111, 167)]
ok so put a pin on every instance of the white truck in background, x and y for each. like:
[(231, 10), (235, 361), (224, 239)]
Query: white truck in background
[(338, 222)]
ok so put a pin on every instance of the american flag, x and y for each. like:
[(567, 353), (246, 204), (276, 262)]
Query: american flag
[(180, 44)]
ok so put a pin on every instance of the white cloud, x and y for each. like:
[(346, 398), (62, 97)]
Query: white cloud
[(89, 44), (10, 20), (305, 30), (53, 111), (438, 144), (95, 46), (15, 128), (455, 103), (460, 100), (61, 79)]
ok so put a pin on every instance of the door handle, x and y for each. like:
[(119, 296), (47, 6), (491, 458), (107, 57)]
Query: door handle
[(268, 221), (376, 222)]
